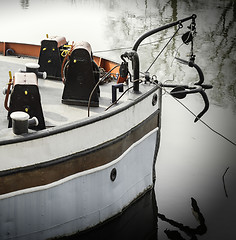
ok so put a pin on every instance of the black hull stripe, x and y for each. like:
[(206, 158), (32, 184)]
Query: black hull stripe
[(45, 173)]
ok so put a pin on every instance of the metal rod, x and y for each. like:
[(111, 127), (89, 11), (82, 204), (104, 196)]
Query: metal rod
[(137, 43)]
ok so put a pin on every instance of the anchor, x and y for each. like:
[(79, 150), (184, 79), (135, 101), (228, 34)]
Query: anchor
[(181, 91)]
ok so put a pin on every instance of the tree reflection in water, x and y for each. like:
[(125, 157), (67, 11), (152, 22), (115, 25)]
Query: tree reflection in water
[(124, 21), (24, 4), (224, 40), (216, 42)]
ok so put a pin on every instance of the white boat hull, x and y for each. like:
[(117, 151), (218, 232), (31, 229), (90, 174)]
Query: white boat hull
[(82, 200), (73, 190)]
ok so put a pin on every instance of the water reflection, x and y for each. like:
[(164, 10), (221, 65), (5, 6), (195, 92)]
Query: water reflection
[(139, 221), (191, 160), (214, 45), (224, 40), (191, 232), (25, 4)]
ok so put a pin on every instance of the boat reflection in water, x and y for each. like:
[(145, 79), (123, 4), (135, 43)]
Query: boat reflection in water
[(138, 221), (189, 231)]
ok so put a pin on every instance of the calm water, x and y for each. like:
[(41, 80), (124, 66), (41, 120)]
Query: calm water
[(192, 159)]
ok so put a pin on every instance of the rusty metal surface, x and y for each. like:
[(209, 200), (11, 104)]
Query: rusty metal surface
[(30, 50), (60, 40)]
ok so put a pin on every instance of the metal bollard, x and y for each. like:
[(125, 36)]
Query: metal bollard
[(21, 122)]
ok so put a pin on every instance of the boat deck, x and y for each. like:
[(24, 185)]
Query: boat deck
[(55, 113)]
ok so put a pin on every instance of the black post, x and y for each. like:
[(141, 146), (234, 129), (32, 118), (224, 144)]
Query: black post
[(133, 55), (135, 63)]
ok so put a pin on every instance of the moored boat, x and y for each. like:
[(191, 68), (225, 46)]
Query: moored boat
[(76, 152)]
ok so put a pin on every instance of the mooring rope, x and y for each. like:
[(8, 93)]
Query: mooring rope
[(170, 38), (207, 125)]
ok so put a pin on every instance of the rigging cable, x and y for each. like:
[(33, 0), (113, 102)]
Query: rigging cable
[(104, 77), (180, 26), (213, 130), (119, 98), (126, 48)]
